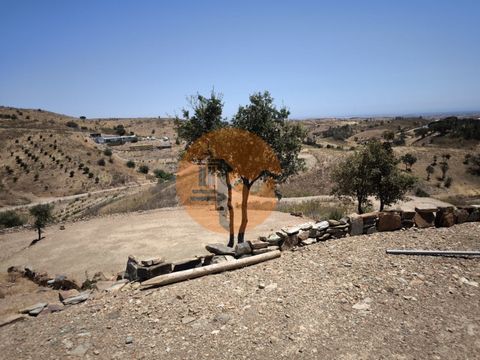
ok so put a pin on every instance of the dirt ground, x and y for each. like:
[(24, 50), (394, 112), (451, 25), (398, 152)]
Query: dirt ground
[(103, 244), (340, 299)]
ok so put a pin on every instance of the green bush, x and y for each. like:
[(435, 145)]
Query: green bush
[(10, 219), (143, 169), (162, 175), (107, 152), (130, 164), (101, 162)]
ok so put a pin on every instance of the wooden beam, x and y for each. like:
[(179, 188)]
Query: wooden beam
[(209, 269), (434, 252)]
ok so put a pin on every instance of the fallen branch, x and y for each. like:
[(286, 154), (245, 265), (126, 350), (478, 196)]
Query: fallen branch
[(209, 269), (434, 252)]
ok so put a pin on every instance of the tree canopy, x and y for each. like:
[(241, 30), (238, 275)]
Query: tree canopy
[(372, 171)]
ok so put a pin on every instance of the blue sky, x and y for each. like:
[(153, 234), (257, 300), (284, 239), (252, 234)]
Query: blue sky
[(320, 58)]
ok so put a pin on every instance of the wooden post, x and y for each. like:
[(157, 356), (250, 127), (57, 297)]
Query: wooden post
[(209, 269)]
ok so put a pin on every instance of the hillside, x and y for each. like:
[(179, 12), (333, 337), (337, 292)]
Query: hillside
[(46, 155)]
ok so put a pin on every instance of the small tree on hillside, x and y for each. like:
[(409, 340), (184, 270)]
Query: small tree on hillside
[(430, 170), (130, 164), (262, 118), (43, 215), (388, 135), (444, 168), (408, 159), (143, 169)]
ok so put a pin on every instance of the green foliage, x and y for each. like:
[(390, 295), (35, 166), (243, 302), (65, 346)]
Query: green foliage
[(262, 118), (42, 213), (388, 135), (339, 132), (163, 175), (430, 170), (206, 117), (10, 219), (143, 169), (107, 152), (444, 168), (371, 171), (119, 130), (130, 164), (474, 168), (408, 159), (455, 127), (421, 132), (101, 162)]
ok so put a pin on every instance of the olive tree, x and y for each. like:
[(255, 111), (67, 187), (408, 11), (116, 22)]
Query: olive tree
[(262, 118), (43, 215), (372, 171)]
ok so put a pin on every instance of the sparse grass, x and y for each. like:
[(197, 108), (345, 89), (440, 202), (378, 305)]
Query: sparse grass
[(316, 209)]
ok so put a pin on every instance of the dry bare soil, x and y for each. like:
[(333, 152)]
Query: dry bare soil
[(341, 299)]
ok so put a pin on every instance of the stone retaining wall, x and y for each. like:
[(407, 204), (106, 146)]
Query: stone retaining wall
[(310, 233)]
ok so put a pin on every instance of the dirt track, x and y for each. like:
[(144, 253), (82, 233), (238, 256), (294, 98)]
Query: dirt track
[(103, 244), (341, 299)]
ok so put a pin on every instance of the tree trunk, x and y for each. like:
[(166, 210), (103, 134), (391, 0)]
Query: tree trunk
[(231, 214), (39, 233), (243, 224), (382, 205), (360, 201)]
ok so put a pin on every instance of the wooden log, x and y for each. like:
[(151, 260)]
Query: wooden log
[(209, 269), (433, 252)]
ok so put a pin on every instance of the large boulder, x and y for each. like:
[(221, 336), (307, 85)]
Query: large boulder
[(356, 225), (445, 217), (461, 215), (424, 219), (137, 272), (389, 221), (408, 219)]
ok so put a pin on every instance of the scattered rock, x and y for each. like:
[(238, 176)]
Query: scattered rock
[(363, 305), (34, 310), (129, 340), (152, 261), (65, 294), (245, 248), (83, 296), (274, 239), (258, 244), (217, 259), (309, 241), (334, 222), (468, 282), (291, 230), (220, 249), (303, 235)]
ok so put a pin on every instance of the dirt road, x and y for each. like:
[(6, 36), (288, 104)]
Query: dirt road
[(341, 299)]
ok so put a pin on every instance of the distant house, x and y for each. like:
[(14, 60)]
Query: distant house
[(115, 139), (164, 144)]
